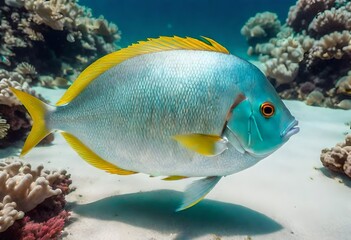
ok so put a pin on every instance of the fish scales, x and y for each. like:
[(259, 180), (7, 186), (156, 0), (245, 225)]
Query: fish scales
[(141, 103)]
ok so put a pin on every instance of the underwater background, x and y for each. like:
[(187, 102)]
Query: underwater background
[(218, 19), (301, 191)]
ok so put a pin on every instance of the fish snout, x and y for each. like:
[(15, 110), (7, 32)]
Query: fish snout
[(292, 129)]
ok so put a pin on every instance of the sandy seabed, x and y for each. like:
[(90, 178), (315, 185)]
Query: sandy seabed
[(288, 195)]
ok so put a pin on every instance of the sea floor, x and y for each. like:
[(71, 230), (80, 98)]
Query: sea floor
[(288, 195)]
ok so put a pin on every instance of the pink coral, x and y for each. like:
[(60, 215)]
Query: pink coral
[(51, 229)]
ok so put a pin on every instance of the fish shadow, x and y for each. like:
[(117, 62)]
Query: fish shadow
[(155, 210)]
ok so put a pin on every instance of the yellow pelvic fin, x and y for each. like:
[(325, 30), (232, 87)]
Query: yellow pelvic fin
[(174, 178), (142, 47), (208, 145), (197, 191), (92, 158), (37, 110)]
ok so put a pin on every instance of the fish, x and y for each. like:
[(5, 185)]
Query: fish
[(172, 107)]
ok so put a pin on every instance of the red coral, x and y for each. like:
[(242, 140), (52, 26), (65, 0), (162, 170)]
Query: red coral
[(51, 229)]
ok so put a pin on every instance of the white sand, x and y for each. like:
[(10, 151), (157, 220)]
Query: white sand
[(286, 196)]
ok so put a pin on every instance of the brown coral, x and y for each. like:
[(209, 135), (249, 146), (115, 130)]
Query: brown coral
[(304, 11), (338, 158), (330, 21)]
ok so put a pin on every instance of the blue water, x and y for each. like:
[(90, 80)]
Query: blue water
[(218, 19)]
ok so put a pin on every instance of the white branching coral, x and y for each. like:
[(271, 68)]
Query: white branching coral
[(25, 68), (333, 46), (4, 127), (8, 213), (23, 188), (283, 61), (15, 80)]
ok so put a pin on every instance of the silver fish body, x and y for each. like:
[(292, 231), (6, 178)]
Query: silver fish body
[(129, 114)]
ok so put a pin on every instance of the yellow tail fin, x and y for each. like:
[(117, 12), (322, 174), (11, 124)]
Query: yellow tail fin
[(37, 110)]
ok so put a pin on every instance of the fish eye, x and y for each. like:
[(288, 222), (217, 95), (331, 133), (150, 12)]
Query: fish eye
[(267, 109)]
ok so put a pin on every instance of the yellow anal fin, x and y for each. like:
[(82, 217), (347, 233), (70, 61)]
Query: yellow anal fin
[(142, 47), (92, 158), (208, 145), (174, 178), (37, 110)]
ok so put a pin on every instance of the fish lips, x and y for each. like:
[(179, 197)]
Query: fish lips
[(291, 130)]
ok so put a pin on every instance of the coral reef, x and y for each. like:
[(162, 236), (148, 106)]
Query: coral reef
[(304, 11), (60, 35), (32, 201), (310, 57), (45, 43), (338, 158), (261, 27)]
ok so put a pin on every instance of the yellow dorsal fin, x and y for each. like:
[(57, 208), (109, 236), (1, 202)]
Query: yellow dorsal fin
[(92, 158), (142, 47), (174, 178)]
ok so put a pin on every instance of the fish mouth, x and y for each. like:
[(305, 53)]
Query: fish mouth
[(292, 129)]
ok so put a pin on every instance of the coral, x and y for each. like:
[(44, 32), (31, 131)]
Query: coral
[(57, 33), (15, 80), (330, 21), (4, 127), (335, 45), (36, 193), (315, 98), (338, 158), (50, 229), (8, 213), (260, 27), (25, 69), (45, 43), (343, 85), (345, 104), (283, 65), (312, 50), (304, 11)]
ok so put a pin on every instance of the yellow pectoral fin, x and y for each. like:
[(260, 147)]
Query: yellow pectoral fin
[(92, 158), (208, 145), (174, 178)]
